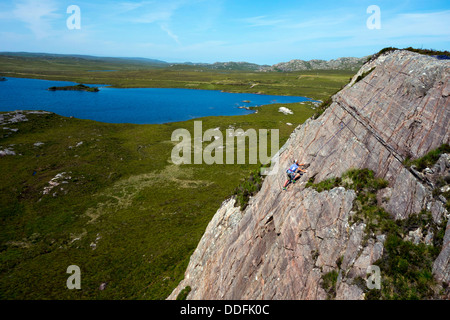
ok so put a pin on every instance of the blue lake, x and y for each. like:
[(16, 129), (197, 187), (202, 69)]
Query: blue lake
[(138, 105)]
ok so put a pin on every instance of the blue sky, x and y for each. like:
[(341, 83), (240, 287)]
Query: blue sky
[(263, 31)]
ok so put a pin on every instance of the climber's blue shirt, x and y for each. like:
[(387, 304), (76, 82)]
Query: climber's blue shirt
[(294, 167)]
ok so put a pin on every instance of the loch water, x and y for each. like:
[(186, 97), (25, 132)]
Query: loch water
[(134, 105)]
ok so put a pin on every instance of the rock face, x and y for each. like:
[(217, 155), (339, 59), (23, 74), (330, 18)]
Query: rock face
[(285, 241)]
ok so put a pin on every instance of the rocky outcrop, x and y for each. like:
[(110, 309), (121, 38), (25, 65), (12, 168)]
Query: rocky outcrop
[(284, 242), (17, 116), (346, 63)]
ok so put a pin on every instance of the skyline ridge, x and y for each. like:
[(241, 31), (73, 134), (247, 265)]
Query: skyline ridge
[(100, 57)]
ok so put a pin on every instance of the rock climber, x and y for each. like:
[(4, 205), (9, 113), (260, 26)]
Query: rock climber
[(294, 172)]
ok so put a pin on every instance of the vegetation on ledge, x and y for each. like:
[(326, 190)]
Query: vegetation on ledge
[(406, 265), (365, 74), (248, 187), (429, 52), (429, 159), (184, 293)]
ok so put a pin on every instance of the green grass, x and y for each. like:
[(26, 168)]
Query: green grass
[(429, 159), (329, 281), (184, 293), (248, 188), (127, 216), (407, 267), (356, 179), (364, 74)]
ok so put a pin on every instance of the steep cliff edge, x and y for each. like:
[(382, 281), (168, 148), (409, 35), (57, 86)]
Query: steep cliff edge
[(285, 242)]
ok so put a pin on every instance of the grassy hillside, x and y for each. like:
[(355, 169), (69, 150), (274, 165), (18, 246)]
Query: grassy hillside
[(121, 212), (106, 197)]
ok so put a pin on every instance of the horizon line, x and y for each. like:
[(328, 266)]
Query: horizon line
[(168, 62)]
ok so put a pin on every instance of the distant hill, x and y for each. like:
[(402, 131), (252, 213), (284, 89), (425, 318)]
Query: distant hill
[(225, 66), (346, 63), (293, 65), (77, 57), (241, 66), (337, 64)]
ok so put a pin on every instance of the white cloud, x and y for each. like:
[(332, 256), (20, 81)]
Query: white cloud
[(165, 28), (154, 16), (262, 21), (37, 15), (130, 6), (148, 12), (416, 24), (151, 12)]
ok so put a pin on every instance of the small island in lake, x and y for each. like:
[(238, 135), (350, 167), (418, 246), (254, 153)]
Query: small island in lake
[(79, 87)]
